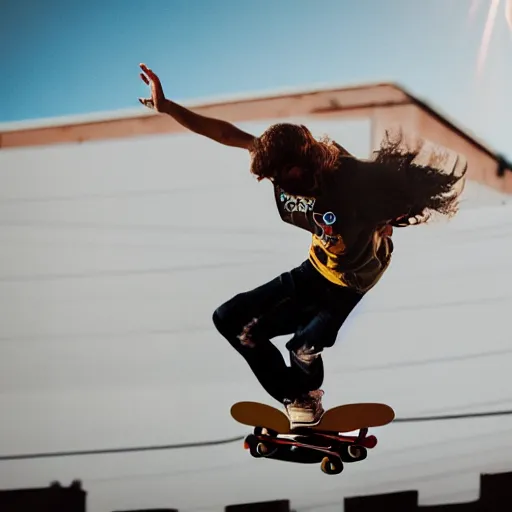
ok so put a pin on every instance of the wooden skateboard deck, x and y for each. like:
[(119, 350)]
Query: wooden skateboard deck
[(324, 443), (255, 414), (349, 417), (343, 418)]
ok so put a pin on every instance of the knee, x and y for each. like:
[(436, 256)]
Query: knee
[(304, 347), (220, 321), (233, 322), (306, 354), (226, 319)]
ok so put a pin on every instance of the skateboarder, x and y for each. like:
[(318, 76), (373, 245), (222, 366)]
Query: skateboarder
[(350, 207)]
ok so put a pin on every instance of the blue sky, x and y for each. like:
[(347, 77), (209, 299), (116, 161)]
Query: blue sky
[(70, 57)]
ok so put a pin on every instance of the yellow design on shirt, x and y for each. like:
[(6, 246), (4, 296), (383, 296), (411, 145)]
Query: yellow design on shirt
[(328, 259), (360, 266)]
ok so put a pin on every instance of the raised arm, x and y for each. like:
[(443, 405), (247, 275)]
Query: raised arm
[(215, 129)]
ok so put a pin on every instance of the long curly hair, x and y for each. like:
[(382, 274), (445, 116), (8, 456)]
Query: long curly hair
[(406, 183), (402, 185)]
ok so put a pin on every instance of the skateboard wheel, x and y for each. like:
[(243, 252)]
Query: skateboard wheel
[(353, 453), (331, 466), (262, 449), (251, 444), (258, 449), (265, 450)]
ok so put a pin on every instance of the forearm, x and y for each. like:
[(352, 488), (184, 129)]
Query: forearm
[(215, 129)]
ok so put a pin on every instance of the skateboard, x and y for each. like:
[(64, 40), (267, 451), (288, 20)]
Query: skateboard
[(325, 443)]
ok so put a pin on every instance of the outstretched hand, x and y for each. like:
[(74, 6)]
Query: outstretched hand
[(157, 99)]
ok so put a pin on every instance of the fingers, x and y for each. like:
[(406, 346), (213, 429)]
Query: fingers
[(151, 79), (147, 102), (149, 72), (157, 93), (148, 77)]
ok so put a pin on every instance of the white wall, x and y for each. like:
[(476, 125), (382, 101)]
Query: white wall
[(114, 256)]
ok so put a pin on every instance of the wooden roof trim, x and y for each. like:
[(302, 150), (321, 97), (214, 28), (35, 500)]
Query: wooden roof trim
[(357, 100)]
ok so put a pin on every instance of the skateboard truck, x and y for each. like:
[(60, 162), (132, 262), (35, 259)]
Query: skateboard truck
[(362, 435), (330, 449), (327, 444)]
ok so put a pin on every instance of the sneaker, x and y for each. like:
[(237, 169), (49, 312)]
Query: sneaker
[(305, 411)]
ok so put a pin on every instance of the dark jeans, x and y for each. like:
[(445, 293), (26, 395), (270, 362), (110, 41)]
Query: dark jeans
[(299, 302)]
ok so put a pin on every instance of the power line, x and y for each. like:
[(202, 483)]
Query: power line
[(131, 449), (468, 415), (150, 448)]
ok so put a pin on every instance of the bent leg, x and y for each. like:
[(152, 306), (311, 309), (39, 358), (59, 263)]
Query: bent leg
[(250, 319), (308, 343)]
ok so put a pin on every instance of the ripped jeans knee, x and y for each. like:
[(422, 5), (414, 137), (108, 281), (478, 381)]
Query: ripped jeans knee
[(304, 354), (247, 336), (238, 334)]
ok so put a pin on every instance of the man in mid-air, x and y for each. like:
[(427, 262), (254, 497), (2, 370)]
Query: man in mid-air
[(350, 207)]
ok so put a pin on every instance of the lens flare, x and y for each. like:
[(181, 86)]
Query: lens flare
[(486, 37), (508, 13)]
